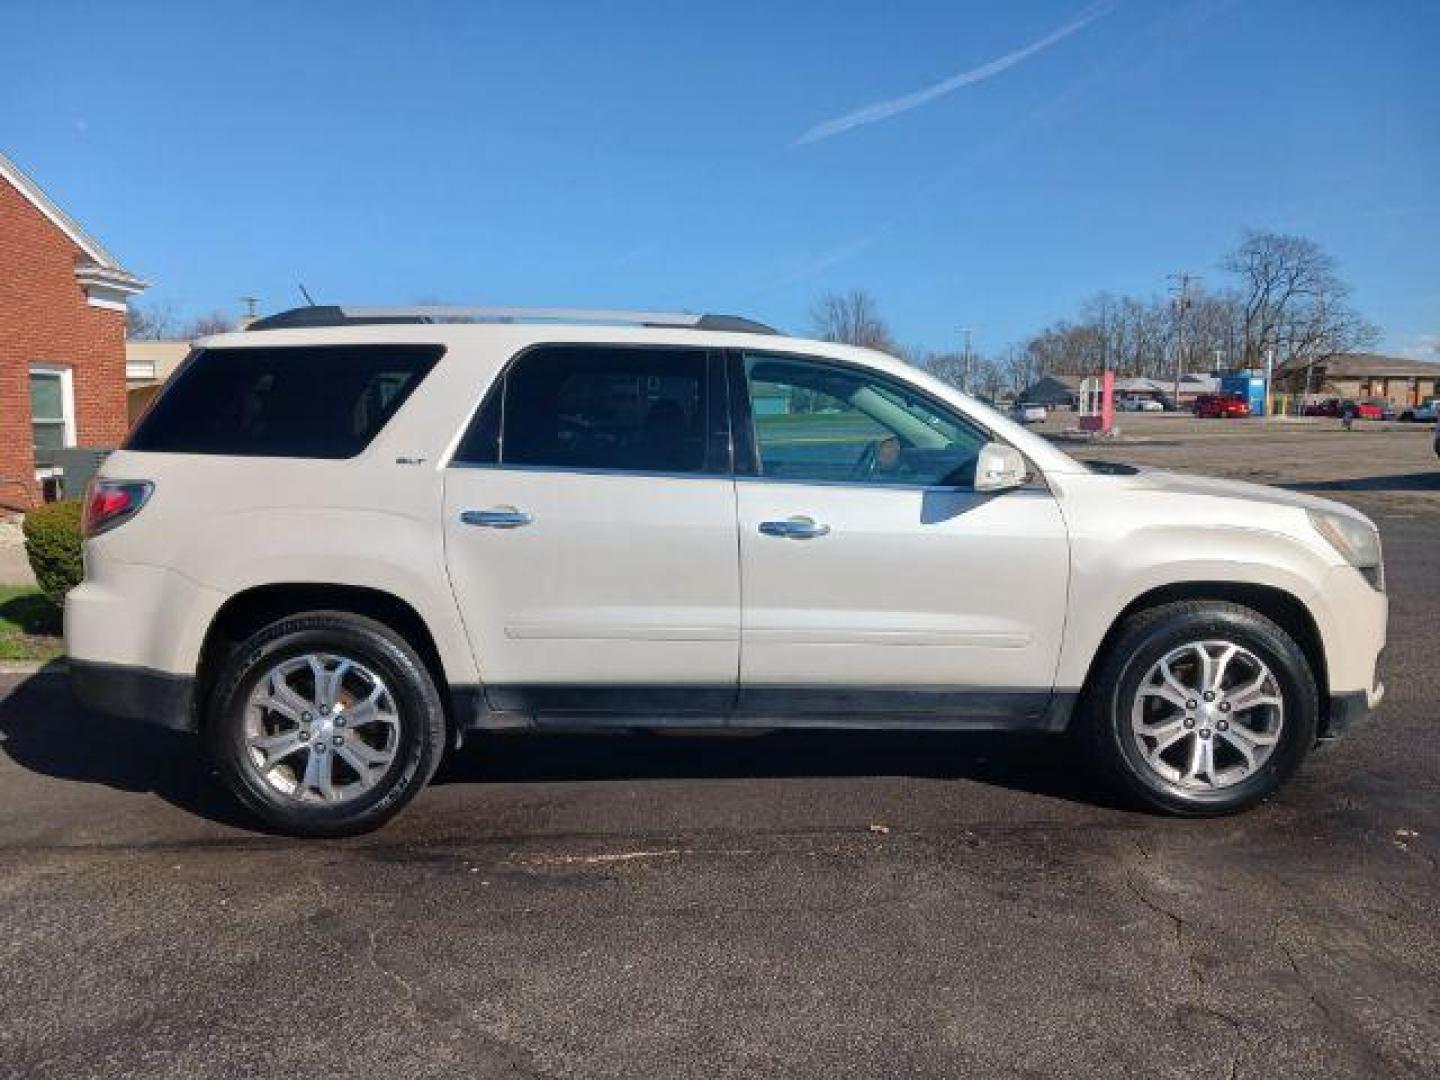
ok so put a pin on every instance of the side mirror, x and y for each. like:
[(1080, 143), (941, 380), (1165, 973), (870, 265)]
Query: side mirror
[(1000, 468)]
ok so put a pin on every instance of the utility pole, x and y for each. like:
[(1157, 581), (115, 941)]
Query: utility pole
[(1181, 291), (1269, 382), (965, 383)]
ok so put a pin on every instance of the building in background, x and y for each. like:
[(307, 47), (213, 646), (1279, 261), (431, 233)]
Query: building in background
[(147, 365), (1394, 379), (62, 338), (1063, 391)]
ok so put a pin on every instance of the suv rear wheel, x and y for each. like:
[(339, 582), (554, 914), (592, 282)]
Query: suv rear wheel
[(1202, 708), (325, 724)]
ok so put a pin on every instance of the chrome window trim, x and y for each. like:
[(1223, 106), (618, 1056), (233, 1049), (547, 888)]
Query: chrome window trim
[(1036, 485), (582, 470)]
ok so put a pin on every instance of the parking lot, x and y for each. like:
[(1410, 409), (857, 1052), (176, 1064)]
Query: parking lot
[(827, 905)]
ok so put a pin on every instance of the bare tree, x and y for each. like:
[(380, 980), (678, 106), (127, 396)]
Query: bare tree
[(948, 367), (1293, 300), (1290, 299), (988, 377), (152, 322), (217, 322), (852, 318), (1214, 331), (981, 375), (1021, 368)]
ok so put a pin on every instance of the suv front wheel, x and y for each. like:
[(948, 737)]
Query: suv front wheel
[(325, 724), (1202, 708)]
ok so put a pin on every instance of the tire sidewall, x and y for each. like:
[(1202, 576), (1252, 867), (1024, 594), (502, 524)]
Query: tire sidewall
[(421, 736), (1273, 647)]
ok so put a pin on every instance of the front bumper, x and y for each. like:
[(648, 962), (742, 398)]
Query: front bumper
[(135, 693)]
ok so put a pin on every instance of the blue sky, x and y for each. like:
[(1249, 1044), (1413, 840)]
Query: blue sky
[(984, 165)]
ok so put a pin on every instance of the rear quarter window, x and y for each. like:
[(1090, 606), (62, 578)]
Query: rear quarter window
[(326, 401)]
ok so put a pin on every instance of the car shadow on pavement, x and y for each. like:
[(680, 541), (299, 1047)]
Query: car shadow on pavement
[(1039, 764), (1421, 481), (45, 730)]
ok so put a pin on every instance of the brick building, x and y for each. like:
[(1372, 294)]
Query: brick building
[(62, 337), (1395, 379)]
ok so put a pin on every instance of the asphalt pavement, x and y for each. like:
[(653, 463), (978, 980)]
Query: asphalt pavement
[(826, 905)]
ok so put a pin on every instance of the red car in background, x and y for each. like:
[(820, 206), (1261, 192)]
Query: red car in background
[(1221, 406), (1360, 410)]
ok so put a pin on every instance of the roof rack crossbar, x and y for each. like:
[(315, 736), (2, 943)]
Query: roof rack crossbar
[(346, 314)]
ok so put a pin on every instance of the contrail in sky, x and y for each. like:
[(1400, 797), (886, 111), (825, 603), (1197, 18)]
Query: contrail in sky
[(884, 110)]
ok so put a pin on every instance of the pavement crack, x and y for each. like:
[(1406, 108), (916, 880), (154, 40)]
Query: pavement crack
[(1159, 909), (405, 984), (1304, 982), (607, 858)]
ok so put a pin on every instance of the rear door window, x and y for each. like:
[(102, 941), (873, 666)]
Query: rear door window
[(326, 401), (609, 408)]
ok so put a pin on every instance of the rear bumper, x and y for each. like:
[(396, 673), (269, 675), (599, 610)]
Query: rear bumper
[(135, 693), (1347, 710)]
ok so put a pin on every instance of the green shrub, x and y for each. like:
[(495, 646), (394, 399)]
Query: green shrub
[(52, 543)]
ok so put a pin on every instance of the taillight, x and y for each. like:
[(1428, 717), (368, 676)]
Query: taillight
[(109, 503)]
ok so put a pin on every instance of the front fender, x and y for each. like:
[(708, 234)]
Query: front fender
[(1110, 574)]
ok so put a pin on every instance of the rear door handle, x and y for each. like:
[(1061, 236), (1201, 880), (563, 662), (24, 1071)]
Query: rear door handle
[(796, 528), (500, 517)]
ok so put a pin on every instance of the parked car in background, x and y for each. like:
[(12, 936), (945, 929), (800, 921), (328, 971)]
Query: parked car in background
[(1369, 409), (1134, 403), (1424, 413), (1362, 410), (1029, 412), (344, 540), (1221, 406)]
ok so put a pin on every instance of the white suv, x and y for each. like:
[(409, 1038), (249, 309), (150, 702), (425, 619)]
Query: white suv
[(342, 540)]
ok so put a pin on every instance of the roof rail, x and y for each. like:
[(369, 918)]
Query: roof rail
[(346, 315)]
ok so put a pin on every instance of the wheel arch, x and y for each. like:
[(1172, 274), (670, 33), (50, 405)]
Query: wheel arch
[(251, 609), (1283, 608)]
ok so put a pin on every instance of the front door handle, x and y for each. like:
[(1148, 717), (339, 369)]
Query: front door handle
[(500, 517), (796, 528)]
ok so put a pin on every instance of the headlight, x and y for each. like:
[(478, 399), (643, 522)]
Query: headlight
[(1357, 541)]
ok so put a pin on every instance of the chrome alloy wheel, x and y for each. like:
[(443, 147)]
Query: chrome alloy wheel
[(1207, 715), (321, 728)]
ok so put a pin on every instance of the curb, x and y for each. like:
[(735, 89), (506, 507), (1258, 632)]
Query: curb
[(34, 667)]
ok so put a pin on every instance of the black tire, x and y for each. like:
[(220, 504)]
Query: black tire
[(419, 745), (1150, 635)]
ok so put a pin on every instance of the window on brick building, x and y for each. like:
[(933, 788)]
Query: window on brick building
[(52, 410)]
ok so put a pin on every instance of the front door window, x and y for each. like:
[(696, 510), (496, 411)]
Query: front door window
[(818, 422)]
